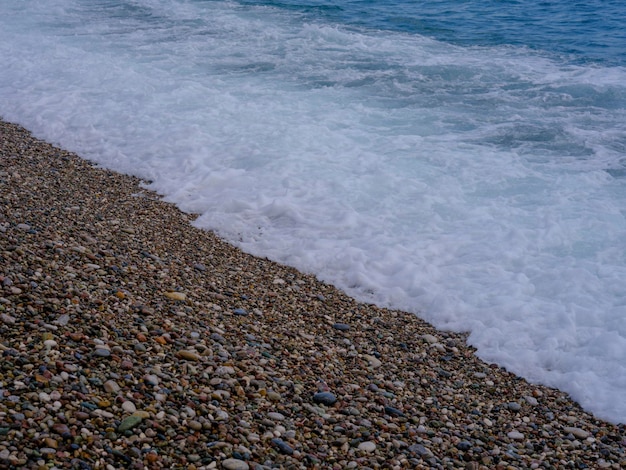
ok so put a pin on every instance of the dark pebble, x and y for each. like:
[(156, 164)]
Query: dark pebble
[(341, 326), (240, 311), (282, 446), (102, 352), (419, 449), (325, 398), (391, 411), (119, 455), (464, 445), (80, 464), (217, 337)]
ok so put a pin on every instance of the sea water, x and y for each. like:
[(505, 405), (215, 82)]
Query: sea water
[(465, 161)]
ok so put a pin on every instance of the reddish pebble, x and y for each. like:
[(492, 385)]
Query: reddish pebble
[(60, 428)]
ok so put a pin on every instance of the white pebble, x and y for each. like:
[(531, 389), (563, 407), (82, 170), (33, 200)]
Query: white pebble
[(367, 446), (235, 464), (129, 406), (430, 339)]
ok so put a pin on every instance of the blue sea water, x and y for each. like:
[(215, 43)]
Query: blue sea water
[(465, 161)]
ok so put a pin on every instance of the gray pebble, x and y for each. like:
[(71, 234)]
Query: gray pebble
[(513, 406), (102, 352)]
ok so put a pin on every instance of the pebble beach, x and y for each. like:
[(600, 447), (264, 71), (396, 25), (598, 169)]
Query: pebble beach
[(131, 339)]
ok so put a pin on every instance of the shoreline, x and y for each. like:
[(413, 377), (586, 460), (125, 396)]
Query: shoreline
[(131, 338)]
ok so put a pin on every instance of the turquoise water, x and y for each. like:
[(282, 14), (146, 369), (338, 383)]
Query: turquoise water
[(465, 161)]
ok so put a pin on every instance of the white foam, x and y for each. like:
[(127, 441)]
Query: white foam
[(468, 185)]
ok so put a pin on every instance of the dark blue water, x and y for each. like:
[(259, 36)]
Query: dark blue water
[(586, 31)]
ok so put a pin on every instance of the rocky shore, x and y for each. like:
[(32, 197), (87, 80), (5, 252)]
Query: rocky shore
[(130, 339)]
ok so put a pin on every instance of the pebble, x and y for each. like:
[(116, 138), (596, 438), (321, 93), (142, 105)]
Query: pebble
[(391, 411), (235, 464), (513, 406), (176, 295), (101, 352), (129, 407), (60, 428), (420, 450), (576, 432), (276, 416), (7, 319), (282, 446), (111, 386), (195, 425), (188, 355), (325, 398), (367, 446), (515, 435), (129, 423), (430, 339), (372, 361), (63, 320), (151, 379), (47, 451), (531, 400), (464, 445), (224, 370), (341, 326)]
